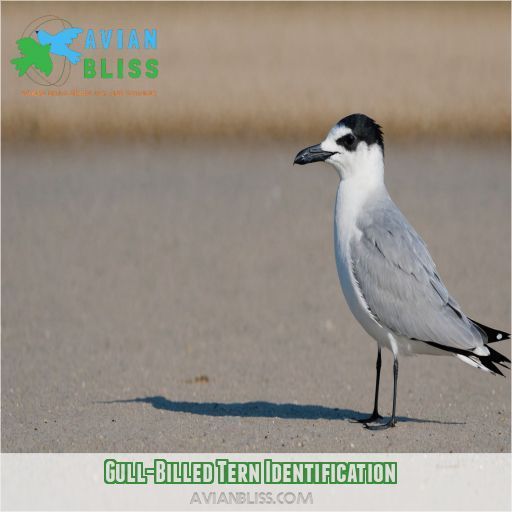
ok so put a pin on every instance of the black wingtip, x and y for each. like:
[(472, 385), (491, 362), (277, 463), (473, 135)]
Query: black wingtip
[(497, 357), (490, 361), (494, 358), (493, 335)]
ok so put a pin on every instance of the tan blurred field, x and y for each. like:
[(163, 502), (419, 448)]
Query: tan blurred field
[(282, 70)]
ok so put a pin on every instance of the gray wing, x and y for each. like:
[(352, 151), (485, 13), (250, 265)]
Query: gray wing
[(398, 280)]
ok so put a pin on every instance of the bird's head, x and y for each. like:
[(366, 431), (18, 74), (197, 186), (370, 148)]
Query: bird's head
[(43, 36), (353, 146)]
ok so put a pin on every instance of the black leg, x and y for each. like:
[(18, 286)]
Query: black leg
[(375, 414), (392, 421)]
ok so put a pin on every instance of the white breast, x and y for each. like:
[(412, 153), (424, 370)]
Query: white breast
[(349, 200)]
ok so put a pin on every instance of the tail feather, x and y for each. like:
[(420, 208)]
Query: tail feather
[(478, 357), (473, 361), (486, 363), (496, 357)]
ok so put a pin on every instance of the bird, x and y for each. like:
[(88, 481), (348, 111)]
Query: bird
[(59, 42), (388, 278), (33, 54)]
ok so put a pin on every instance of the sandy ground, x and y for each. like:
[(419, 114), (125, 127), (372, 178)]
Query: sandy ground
[(185, 298)]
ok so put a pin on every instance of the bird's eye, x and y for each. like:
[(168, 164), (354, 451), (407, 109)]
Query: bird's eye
[(348, 141)]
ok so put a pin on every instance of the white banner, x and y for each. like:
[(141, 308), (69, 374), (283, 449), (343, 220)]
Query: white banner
[(423, 482)]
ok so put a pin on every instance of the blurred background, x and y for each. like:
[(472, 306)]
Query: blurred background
[(281, 70), (168, 278)]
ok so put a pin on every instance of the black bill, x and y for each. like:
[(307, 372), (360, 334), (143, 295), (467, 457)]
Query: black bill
[(312, 154)]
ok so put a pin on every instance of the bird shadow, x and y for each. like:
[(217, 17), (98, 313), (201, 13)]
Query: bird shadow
[(261, 409)]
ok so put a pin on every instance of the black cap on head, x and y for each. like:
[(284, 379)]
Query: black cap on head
[(364, 129)]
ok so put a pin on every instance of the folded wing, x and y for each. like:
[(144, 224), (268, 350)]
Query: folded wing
[(398, 280)]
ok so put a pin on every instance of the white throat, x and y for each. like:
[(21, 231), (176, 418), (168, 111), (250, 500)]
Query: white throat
[(361, 177), (366, 164)]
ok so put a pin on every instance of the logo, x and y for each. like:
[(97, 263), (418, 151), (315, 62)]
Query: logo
[(46, 52), (46, 55)]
